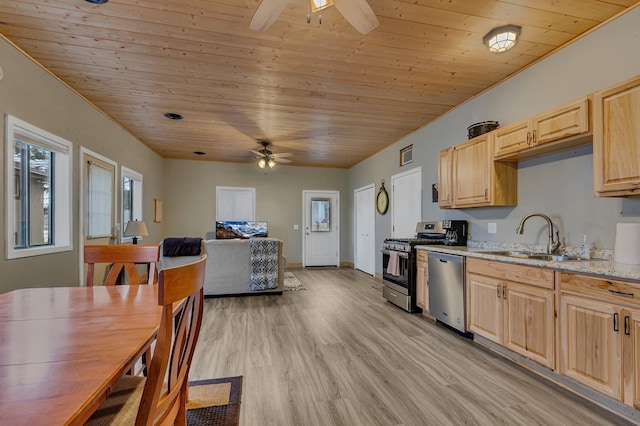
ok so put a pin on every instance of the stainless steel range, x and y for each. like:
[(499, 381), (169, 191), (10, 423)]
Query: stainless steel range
[(399, 264)]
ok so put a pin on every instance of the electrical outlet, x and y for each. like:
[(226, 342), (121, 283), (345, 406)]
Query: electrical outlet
[(492, 228), (296, 227)]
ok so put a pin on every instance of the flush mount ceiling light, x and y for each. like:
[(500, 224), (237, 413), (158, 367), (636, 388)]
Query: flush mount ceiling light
[(502, 38), (317, 5), (173, 116)]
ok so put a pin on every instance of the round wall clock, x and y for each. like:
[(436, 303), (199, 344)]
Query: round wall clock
[(382, 200)]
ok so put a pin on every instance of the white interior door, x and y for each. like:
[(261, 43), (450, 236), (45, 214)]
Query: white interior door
[(365, 229), (321, 235), (406, 203)]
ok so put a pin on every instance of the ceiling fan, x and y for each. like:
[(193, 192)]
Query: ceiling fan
[(357, 12), (267, 158)]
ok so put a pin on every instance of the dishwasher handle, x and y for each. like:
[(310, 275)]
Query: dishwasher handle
[(446, 258)]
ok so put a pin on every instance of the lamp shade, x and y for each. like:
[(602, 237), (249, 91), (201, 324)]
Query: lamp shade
[(136, 228)]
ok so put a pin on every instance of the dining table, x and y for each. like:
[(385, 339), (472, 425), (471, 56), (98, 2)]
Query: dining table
[(62, 349)]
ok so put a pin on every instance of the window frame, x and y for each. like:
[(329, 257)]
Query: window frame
[(62, 183), (138, 188)]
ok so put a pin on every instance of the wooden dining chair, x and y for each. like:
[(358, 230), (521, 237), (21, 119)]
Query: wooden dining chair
[(154, 400), (123, 257)]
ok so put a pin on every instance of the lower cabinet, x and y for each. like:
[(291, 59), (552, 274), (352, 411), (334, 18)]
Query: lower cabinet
[(600, 335), (422, 281), (513, 305)]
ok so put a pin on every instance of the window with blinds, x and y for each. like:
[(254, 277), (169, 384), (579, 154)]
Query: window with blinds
[(99, 199), (235, 204)]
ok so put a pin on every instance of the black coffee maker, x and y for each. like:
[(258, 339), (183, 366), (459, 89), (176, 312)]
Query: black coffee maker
[(456, 232)]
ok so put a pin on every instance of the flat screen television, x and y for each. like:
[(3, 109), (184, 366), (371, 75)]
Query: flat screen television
[(240, 229)]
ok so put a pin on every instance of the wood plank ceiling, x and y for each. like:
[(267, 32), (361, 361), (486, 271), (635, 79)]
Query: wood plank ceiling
[(324, 92)]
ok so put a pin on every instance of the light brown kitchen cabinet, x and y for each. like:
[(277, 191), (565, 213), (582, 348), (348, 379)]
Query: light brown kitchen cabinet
[(445, 194), (477, 180), (592, 344), (616, 140), (600, 335), (422, 281), (513, 305), (558, 129), (485, 314)]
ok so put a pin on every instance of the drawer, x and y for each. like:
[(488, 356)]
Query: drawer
[(529, 275), (618, 292)]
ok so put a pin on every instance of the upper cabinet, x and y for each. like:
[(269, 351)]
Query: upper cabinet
[(445, 193), (477, 180), (554, 130), (616, 140)]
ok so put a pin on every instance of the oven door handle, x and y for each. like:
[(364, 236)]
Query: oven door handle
[(400, 253)]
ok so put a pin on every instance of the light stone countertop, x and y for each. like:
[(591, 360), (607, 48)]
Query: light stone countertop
[(601, 268)]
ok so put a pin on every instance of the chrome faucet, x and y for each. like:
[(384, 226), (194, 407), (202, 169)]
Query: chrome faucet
[(553, 244)]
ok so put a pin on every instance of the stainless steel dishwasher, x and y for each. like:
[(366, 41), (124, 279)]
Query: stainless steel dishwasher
[(446, 289)]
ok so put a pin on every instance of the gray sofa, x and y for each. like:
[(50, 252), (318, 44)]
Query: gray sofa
[(230, 265)]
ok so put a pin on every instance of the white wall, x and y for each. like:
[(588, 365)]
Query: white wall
[(560, 185)]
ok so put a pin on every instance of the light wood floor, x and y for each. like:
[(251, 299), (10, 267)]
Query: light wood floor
[(338, 354)]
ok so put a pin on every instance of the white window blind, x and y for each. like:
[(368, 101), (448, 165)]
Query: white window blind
[(235, 203), (99, 201)]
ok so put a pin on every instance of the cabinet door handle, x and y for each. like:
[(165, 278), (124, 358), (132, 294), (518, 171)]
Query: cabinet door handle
[(486, 192), (621, 293), (498, 291), (504, 291), (528, 138), (615, 322), (533, 140), (626, 325)]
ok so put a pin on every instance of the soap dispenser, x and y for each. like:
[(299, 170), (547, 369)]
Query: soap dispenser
[(584, 248)]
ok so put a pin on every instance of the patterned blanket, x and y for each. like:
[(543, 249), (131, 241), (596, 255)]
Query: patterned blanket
[(264, 263)]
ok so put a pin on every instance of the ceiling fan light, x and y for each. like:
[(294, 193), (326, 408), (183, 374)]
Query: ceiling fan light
[(262, 163), (317, 5), (501, 39), (271, 163)]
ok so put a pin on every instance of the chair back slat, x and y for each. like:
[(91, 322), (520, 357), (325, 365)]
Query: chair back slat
[(124, 256), (181, 294)]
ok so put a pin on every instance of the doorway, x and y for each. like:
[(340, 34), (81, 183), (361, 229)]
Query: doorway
[(406, 203), (321, 236), (364, 200)]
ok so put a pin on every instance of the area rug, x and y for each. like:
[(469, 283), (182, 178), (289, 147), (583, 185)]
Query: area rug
[(291, 282), (214, 402)]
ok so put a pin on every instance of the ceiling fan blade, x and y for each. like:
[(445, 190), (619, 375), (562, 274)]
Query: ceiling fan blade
[(358, 13), (281, 160), (266, 14), (256, 152), (282, 155)]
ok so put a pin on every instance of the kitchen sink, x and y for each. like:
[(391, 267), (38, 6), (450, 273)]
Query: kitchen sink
[(534, 256)]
